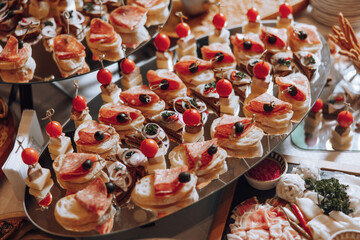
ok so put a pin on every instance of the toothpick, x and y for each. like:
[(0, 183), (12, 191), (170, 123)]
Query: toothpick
[(49, 113), (20, 141), (76, 84), (67, 17), (181, 16)]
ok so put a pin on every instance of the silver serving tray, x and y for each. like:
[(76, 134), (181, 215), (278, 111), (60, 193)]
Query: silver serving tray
[(126, 219)]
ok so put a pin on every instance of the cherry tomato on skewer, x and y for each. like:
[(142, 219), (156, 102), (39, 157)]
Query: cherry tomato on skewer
[(104, 76), (54, 129), (219, 21), (149, 147), (30, 156), (345, 119), (79, 103), (182, 30), (252, 14), (317, 106), (162, 42), (191, 117), (127, 66), (262, 69), (285, 10), (224, 88)]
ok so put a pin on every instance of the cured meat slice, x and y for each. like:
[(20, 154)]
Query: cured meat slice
[(147, 3), (246, 206), (128, 16), (186, 67), (211, 51), (106, 226), (109, 113), (279, 33), (257, 234), (66, 47), (72, 165), (257, 46), (225, 128), (298, 81), (166, 181), (101, 31), (256, 105), (87, 134), (11, 52), (94, 197), (198, 151), (155, 78), (133, 95), (310, 30)]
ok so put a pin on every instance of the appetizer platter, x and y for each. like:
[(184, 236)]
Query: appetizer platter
[(49, 41), (178, 144)]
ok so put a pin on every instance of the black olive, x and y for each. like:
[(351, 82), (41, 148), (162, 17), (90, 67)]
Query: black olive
[(212, 150), (121, 117), (302, 35), (271, 39), (292, 90), (99, 136), (164, 84), (20, 44), (193, 68), (247, 45), (87, 165), (110, 187), (145, 98), (184, 177), (239, 127), (219, 56), (268, 107)]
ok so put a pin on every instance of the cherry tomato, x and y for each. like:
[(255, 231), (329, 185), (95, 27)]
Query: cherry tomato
[(191, 117), (285, 10), (149, 147), (224, 88), (182, 30), (46, 201), (252, 14), (262, 69), (317, 106), (104, 76), (162, 42), (54, 129), (219, 21), (30, 156), (127, 66), (345, 119), (79, 103)]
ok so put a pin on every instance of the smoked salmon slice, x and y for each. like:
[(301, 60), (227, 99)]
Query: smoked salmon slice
[(87, 134), (310, 30), (256, 105), (11, 52), (66, 47), (166, 181), (72, 165), (257, 46), (225, 128), (134, 95), (101, 31), (156, 77), (297, 81), (185, 67), (128, 16), (109, 113), (279, 33), (198, 151), (213, 50)]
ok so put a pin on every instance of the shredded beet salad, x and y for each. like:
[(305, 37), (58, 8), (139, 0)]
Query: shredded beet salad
[(266, 170)]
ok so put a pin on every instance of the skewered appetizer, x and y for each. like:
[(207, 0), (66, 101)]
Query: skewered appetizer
[(143, 99), (16, 63), (75, 171), (76, 23), (187, 42), (274, 39), (123, 118), (172, 123), (238, 136), (103, 41), (262, 77), (109, 90), (49, 30), (341, 134), (220, 55), (295, 89), (157, 11), (93, 9), (155, 155), (131, 74), (246, 47), (164, 57), (94, 137), (220, 34), (194, 126), (205, 159), (282, 63), (10, 16), (254, 21), (28, 29), (166, 84), (308, 62), (240, 82), (194, 71), (314, 119), (228, 101), (207, 93), (285, 18), (79, 212), (80, 111), (166, 190), (272, 115), (69, 55), (38, 179), (129, 22), (334, 104), (304, 37)]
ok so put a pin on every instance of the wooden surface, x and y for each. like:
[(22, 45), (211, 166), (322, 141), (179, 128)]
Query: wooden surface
[(235, 11)]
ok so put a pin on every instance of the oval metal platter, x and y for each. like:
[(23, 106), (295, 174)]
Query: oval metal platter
[(126, 217)]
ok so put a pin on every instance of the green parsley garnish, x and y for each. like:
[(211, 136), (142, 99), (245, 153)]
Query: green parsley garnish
[(210, 85), (284, 62), (129, 154), (48, 23), (88, 7), (240, 75), (310, 59), (151, 129), (165, 115)]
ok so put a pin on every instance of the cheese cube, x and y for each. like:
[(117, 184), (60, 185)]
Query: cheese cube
[(233, 108), (39, 182), (112, 98), (43, 192), (220, 36), (192, 137)]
